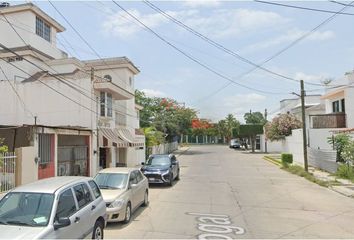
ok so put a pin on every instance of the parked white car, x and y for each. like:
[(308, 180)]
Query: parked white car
[(123, 190), (60, 207)]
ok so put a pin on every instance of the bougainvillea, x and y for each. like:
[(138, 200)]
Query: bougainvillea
[(281, 126)]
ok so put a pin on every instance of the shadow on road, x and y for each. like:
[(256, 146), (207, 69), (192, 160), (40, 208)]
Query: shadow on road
[(195, 152), (162, 186), (121, 225)]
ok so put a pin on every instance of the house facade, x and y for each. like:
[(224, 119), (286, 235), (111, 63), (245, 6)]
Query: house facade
[(77, 116)]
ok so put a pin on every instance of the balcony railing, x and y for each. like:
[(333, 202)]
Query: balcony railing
[(333, 120)]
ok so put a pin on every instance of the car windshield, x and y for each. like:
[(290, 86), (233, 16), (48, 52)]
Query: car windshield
[(111, 180), (26, 209), (158, 161)]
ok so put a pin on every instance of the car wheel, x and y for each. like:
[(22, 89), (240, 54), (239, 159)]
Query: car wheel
[(97, 230), (177, 177), (146, 199), (128, 213)]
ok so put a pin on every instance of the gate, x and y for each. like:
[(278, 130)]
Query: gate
[(7, 171)]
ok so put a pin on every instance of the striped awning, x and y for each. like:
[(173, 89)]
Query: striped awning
[(112, 135), (126, 135)]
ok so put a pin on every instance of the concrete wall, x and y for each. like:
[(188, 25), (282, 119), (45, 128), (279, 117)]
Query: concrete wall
[(318, 138), (26, 26), (349, 106), (51, 108), (26, 167)]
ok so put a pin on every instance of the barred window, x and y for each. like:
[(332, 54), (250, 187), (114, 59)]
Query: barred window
[(44, 148), (42, 29), (109, 105)]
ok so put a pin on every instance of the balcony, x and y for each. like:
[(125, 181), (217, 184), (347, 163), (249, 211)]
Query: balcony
[(333, 120)]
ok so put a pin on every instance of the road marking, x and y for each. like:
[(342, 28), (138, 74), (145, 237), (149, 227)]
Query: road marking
[(216, 226)]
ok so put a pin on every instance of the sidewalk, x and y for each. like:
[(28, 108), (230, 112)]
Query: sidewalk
[(342, 186), (181, 150)]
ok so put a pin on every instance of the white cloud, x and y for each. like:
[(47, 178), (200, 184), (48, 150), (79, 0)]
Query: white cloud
[(153, 93), (220, 23), (201, 3), (292, 35)]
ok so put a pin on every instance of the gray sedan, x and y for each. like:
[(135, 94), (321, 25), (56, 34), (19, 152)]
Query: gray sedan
[(123, 190)]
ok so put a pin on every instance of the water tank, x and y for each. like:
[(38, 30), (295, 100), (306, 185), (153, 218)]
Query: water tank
[(4, 4)]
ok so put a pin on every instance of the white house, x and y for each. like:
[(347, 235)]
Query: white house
[(82, 113)]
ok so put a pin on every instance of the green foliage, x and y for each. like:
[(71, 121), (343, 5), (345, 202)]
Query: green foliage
[(281, 126), (3, 149), (348, 152), (286, 158), (298, 170), (345, 171), (153, 137), (254, 118), (251, 131), (228, 127), (339, 142), (247, 130), (164, 114)]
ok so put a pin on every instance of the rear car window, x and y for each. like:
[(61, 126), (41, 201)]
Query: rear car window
[(96, 191), (83, 196)]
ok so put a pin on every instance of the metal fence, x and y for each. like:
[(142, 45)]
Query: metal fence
[(323, 159), (7, 171)]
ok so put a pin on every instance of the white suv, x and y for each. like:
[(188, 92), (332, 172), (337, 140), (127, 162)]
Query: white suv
[(60, 207)]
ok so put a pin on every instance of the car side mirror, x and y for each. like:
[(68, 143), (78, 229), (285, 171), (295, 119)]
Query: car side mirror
[(61, 222)]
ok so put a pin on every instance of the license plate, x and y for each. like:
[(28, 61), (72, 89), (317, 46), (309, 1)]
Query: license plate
[(152, 179)]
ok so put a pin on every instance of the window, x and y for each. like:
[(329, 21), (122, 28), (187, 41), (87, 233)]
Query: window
[(66, 205), (42, 29), (96, 191), (106, 104), (139, 176), (109, 105), (343, 105), (83, 195), (338, 106), (132, 178), (44, 148), (335, 106), (108, 77), (102, 104)]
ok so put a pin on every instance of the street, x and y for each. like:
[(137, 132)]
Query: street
[(225, 193)]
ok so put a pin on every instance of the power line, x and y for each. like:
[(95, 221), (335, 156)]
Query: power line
[(303, 8), (343, 4), (63, 80), (190, 56), (285, 49), (83, 39)]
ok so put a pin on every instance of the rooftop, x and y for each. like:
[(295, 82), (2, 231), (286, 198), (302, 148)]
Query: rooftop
[(49, 185)]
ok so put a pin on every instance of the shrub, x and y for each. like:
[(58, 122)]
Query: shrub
[(286, 158), (345, 171), (339, 142)]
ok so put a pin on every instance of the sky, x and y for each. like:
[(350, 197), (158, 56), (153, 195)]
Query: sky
[(253, 30)]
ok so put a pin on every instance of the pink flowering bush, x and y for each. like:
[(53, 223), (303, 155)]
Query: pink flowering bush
[(281, 126)]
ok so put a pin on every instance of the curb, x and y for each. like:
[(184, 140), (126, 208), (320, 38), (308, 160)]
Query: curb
[(271, 160), (181, 153)]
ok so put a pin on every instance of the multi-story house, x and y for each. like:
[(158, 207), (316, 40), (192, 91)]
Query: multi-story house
[(62, 115)]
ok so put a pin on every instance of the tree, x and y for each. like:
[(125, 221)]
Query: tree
[(281, 126), (231, 124), (339, 142), (3, 149), (251, 131), (254, 118), (347, 153)]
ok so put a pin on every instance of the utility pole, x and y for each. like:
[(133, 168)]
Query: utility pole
[(265, 137), (304, 124), (97, 112)]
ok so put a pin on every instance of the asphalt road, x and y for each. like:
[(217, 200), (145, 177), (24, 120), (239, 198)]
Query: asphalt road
[(225, 193)]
